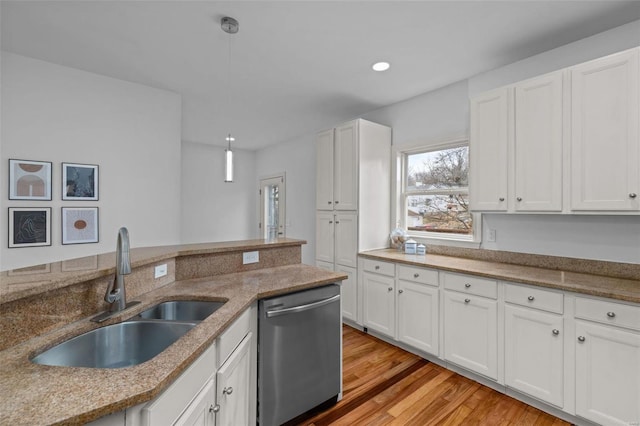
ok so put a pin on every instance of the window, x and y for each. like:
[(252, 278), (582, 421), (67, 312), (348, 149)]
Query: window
[(435, 192)]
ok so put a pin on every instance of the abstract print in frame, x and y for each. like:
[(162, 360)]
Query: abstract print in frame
[(29, 227), (79, 225), (79, 182), (29, 180)]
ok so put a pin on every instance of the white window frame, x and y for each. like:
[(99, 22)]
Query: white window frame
[(399, 214)]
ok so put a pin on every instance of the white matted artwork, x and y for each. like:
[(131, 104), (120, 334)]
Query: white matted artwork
[(79, 225), (79, 182), (29, 180)]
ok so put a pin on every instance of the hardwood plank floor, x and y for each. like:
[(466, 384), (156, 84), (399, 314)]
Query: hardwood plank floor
[(385, 385)]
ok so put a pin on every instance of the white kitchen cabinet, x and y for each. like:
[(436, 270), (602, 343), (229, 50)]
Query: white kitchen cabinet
[(418, 313), (324, 174), (471, 332), (379, 303), (534, 355), (605, 144), (537, 144), (346, 239), (345, 170), (488, 150), (233, 387), (325, 239), (349, 293), (201, 410)]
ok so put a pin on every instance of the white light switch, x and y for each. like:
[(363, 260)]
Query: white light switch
[(250, 257), (161, 270)]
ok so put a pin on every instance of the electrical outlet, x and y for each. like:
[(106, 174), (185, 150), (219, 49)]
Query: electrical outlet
[(160, 270), (491, 237), (250, 257)]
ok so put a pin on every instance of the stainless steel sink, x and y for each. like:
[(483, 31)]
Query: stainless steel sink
[(182, 310), (115, 346)]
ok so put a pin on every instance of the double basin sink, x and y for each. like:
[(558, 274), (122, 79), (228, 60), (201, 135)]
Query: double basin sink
[(131, 342)]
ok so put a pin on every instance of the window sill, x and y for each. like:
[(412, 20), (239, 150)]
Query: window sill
[(443, 241)]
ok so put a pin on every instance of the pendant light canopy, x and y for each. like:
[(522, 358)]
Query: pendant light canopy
[(229, 26)]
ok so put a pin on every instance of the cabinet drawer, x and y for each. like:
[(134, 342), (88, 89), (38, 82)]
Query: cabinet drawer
[(608, 312), (378, 267), (418, 275), (534, 298), (233, 335), (471, 285)]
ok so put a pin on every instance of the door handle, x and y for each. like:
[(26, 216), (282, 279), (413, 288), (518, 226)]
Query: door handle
[(302, 308)]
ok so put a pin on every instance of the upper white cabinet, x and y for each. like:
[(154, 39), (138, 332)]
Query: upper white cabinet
[(605, 149), (353, 196), (564, 142)]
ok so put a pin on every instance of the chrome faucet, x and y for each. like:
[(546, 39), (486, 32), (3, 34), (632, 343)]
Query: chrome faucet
[(116, 294)]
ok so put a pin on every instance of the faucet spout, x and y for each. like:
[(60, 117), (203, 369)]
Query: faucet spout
[(116, 292)]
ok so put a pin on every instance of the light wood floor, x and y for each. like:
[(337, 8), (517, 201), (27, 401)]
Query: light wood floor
[(385, 385)]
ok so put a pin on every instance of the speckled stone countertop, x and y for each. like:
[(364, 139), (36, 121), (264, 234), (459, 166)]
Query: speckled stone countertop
[(595, 285), (39, 394)]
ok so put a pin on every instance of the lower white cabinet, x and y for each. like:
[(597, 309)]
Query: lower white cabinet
[(418, 316), (200, 412), (349, 293), (607, 374), (534, 355), (233, 387), (471, 332), (379, 303)]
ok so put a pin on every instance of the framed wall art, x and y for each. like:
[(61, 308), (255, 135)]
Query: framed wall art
[(79, 182), (29, 227), (29, 180), (79, 225)]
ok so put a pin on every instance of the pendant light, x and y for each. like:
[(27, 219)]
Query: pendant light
[(229, 26)]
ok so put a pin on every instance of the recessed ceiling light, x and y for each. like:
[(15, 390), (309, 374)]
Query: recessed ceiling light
[(381, 66)]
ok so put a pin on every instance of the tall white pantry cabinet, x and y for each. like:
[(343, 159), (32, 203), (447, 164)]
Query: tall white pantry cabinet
[(353, 199)]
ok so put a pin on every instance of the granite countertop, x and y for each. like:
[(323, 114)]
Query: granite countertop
[(38, 394), (596, 285)]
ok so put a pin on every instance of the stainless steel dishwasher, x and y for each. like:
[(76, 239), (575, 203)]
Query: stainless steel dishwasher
[(299, 346)]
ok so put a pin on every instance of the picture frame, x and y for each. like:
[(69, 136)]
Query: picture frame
[(29, 226), (80, 182), (29, 180), (80, 225)]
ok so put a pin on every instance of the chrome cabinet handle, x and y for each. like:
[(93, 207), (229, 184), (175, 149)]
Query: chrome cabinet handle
[(581, 339), (531, 298), (611, 314), (633, 195), (227, 391), (329, 202), (337, 221), (467, 285), (400, 291), (330, 222), (501, 199), (555, 331), (377, 267), (214, 408), (519, 198), (416, 275), (467, 300), (336, 202)]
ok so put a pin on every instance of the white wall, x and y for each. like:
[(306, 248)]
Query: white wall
[(297, 158), (213, 210), (59, 114)]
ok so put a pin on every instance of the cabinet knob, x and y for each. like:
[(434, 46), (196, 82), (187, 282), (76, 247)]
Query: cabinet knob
[(400, 291), (337, 221), (633, 195), (467, 300), (336, 202), (329, 202), (501, 199), (611, 314), (377, 267), (531, 298), (555, 331), (227, 391), (416, 275), (390, 289), (519, 198), (467, 285), (214, 408), (581, 339), (330, 222)]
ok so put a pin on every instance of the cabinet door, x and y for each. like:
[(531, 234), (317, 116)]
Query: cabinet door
[(418, 315), (200, 411), (345, 183), (538, 144), (325, 237), (488, 151), (324, 170), (346, 242), (234, 386), (607, 374), (534, 353), (379, 303), (605, 151), (349, 293), (471, 332)]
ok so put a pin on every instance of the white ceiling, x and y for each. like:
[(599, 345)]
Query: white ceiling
[(296, 66)]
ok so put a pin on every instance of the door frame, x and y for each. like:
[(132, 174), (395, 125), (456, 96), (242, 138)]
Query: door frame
[(282, 231)]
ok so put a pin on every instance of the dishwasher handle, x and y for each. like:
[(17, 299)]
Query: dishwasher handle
[(302, 308)]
